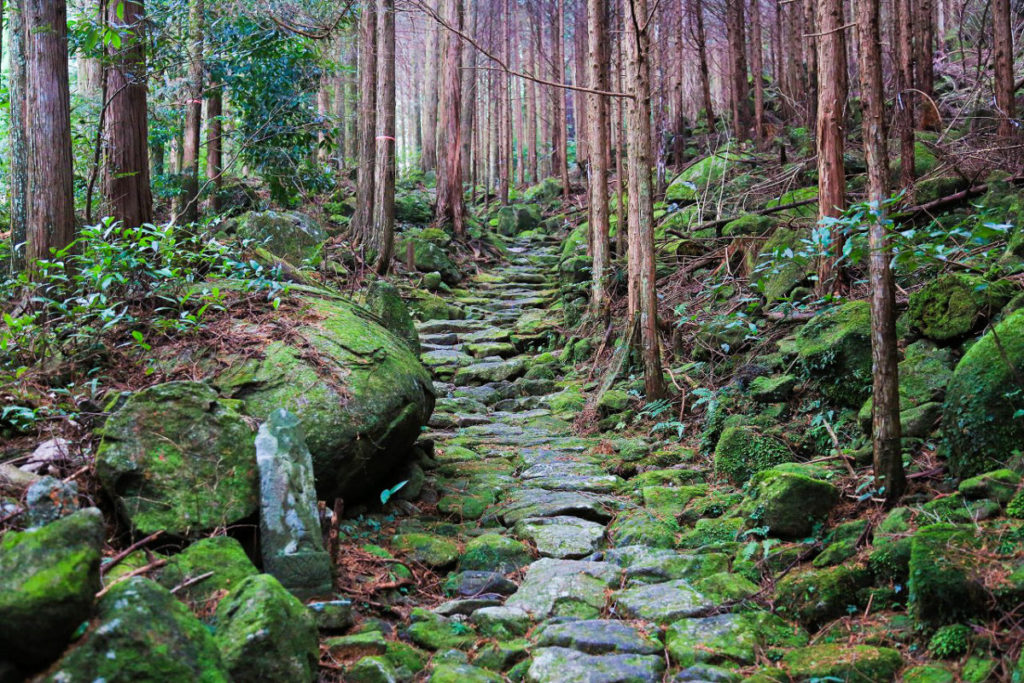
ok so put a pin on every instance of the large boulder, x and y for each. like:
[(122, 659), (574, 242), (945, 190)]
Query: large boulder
[(979, 418), (360, 393), (178, 458), (264, 633), (780, 268), (744, 451), (788, 502), (953, 306), (290, 235), (221, 559), (384, 300), (835, 349), (48, 577), (143, 633)]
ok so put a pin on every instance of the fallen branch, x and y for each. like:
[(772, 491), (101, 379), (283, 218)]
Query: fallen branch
[(128, 551), (721, 222), (953, 199), (156, 564)]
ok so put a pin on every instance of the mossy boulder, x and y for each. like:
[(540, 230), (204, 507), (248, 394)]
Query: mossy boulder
[(290, 235), (48, 578), (947, 575), (730, 639), (513, 220), (494, 553), (544, 191), (384, 301), (779, 268), (359, 392), (816, 596), (924, 374), (788, 504), (640, 527), (773, 389), (178, 458), (413, 207), (428, 549), (266, 633), (834, 349), (700, 176), (999, 485), (954, 305), (803, 194), (749, 225), (979, 418), (842, 662), (142, 633), (429, 257), (744, 451), (221, 555)]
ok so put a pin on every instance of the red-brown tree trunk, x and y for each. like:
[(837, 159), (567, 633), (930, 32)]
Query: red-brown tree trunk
[(189, 202), (1004, 74), (382, 236), (362, 220), (450, 205), (126, 177)]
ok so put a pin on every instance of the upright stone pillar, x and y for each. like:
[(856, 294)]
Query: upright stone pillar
[(290, 538)]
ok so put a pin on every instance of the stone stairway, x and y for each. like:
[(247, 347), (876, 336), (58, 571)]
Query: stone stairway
[(600, 591)]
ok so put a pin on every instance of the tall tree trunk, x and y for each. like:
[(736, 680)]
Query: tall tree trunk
[(383, 234), (888, 460), (562, 120), (468, 57), (1004, 73), (925, 45), (362, 219), (351, 104), (904, 89), (50, 187), (643, 302), (450, 204), (831, 129), (757, 66), (215, 142), (597, 37), (531, 123), (18, 86), (126, 178), (189, 202), (428, 157), (697, 12), (323, 110), (738, 90)]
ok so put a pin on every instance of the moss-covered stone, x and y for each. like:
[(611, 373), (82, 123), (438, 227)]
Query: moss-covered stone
[(779, 270), (372, 669), (413, 207), (749, 225), (816, 596), (928, 673), (569, 400), (835, 350), (266, 633), (803, 194), (953, 305), (222, 556), (639, 527), (978, 417), (772, 389), (178, 458), (842, 543), (494, 552), (787, 504), (433, 551), (435, 632), (944, 575), (360, 394), (48, 577), (841, 662), (290, 235), (998, 485), (384, 301), (142, 633), (430, 257), (712, 532), (730, 638), (744, 451)]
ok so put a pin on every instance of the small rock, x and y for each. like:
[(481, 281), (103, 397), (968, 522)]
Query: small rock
[(501, 622), (661, 603), (568, 538), (51, 453), (598, 636), (788, 503), (494, 552), (332, 615), (290, 536), (464, 607), (432, 551), (470, 584), (49, 499)]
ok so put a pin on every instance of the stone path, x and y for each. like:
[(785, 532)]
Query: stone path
[(602, 592)]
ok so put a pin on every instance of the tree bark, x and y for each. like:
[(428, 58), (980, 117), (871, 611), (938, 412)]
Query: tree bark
[(757, 66), (215, 143), (697, 12), (1004, 74), (925, 45), (362, 219), (382, 236), (738, 91), (643, 302), (904, 86), (831, 130), (562, 121), (18, 86), (50, 187), (126, 177), (450, 204), (189, 209), (597, 37), (428, 155), (888, 460)]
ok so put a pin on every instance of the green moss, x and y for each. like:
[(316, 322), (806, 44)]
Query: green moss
[(413, 207), (432, 551), (794, 196), (842, 662), (953, 305), (435, 632), (290, 235), (712, 532), (221, 555), (569, 400), (494, 552), (384, 301), (835, 350), (941, 584), (639, 527), (779, 268), (979, 415), (842, 543), (788, 504), (749, 225), (772, 389), (816, 596), (744, 451), (265, 633), (929, 673), (950, 642)]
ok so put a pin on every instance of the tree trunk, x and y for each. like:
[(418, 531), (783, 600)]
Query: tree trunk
[(383, 234), (126, 177), (888, 460), (562, 121), (468, 57), (597, 37), (531, 124), (925, 44), (215, 143), (643, 302), (697, 11), (811, 60), (188, 210), (830, 128), (362, 219), (904, 87), (738, 90), (450, 205), (50, 188), (428, 156), (757, 66), (1004, 74), (19, 134)]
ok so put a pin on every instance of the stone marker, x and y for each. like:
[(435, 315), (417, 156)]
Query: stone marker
[(292, 546)]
